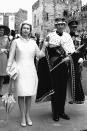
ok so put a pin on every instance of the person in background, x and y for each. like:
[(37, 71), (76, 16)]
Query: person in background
[(78, 63), (37, 38), (4, 49), (26, 83), (73, 24), (13, 34), (84, 40)]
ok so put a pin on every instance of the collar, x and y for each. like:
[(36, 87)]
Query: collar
[(59, 33)]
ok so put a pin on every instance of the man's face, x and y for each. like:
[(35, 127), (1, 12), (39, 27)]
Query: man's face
[(73, 28), (60, 27)]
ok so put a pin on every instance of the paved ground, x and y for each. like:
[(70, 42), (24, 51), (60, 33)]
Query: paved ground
[(42, 119)]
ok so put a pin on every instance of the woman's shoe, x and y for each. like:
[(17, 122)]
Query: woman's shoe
[(29, 122), (23, 124)]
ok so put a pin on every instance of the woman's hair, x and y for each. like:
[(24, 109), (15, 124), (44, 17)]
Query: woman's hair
[(25, 23), (3, 30)]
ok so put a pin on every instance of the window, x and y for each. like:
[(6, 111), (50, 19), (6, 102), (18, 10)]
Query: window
[(73, 0), (46, 16), (41, 27), (38, 22), (65, 13), (34, 20)]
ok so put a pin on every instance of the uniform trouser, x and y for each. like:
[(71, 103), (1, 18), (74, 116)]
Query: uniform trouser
[(60, 76)]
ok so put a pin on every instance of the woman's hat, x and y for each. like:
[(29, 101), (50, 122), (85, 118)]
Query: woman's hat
[(6, 29), (60, 21)]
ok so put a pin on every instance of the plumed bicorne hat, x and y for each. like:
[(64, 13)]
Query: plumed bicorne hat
[(6, 29)]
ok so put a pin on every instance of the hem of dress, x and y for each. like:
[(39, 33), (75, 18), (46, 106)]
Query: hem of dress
[(25, 95)]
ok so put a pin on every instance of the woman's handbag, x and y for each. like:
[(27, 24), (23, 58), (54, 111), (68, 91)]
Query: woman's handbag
[(12, 71)]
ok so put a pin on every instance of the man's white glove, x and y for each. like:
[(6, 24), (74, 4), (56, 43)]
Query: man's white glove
[(67, 59), (80, 61)]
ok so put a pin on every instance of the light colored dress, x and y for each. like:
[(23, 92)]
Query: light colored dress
[(4, 44), (27, 80)]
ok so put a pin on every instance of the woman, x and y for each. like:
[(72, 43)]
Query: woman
[(26, 50), (4, 47)]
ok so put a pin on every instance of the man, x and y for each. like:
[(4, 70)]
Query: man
[(53, 69), (73, 27), (59, 38), (73, 24), (78, 61), (52, 79)]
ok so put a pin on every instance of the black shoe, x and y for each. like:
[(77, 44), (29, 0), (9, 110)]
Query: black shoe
[(1, 95), (64, 116), (56, 118), (70, 102)]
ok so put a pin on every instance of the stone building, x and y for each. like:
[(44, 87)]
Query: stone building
[(20, 16), (13, 20), (83, 18), (45, 11)]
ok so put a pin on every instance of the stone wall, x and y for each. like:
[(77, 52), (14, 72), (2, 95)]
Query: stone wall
[(48, 10), (20, 16)]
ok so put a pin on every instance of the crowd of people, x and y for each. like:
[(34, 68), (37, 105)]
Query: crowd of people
[(50, 70)]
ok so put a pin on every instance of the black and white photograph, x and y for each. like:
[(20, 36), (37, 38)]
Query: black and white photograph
[(43, 65)]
